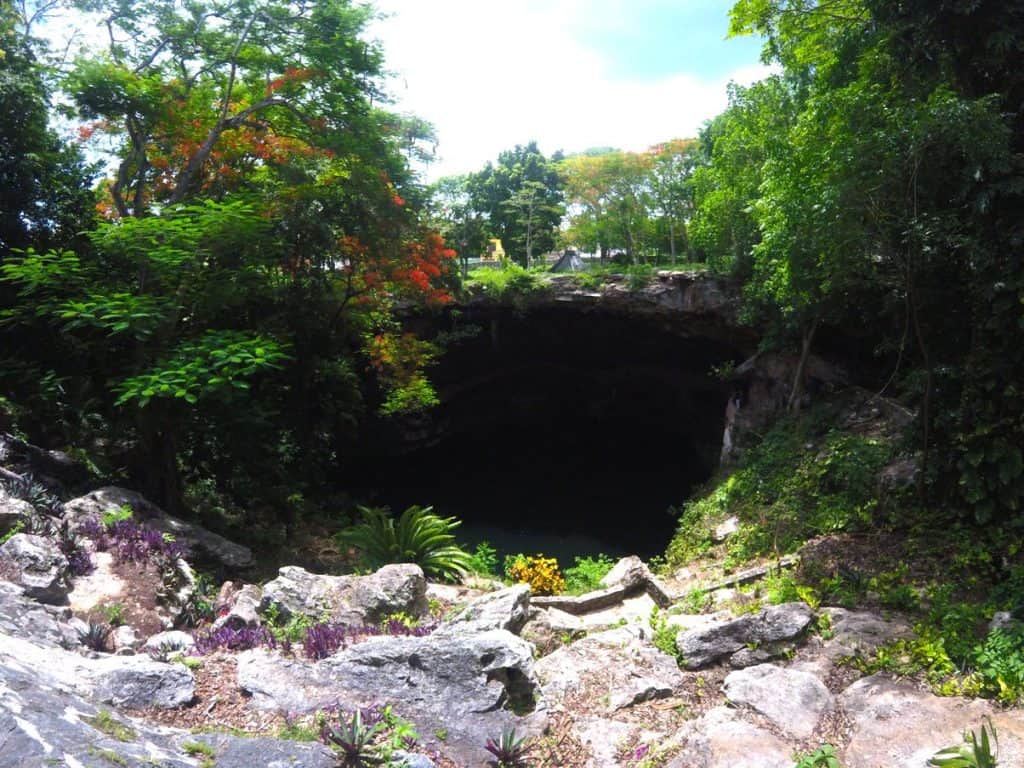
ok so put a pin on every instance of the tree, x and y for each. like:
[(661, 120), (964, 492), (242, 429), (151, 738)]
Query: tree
[(45, 197), (671, 172), (521, 198), (262, 224), (453, 215)]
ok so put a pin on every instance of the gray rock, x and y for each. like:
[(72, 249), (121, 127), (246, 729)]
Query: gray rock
[(197, 540), (621, 663), (506, 608), (125, 639), (246, 752), (242, 609), (551, 628), (794, 701), (900, 473), (725, 529), (777, 623), (1002, 620), (134, 683), (12, 511), (630, 572), (861, 632), (749, 657), (722, 739), (403, 759), (895, 723), (47, 625), (36, 565), (466, 685), (347, 599), (45, 720)]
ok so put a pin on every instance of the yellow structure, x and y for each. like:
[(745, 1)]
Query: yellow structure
[(494, 250)]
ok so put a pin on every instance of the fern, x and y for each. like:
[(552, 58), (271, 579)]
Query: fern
[(417, 536)]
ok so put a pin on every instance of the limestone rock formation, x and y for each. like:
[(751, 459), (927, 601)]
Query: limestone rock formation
[(777, 623), (351, 600)]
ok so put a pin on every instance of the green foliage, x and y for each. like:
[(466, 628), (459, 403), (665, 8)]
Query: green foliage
[(979, 750), (353, 741), (664, 634), (105, 722), (803, 479), (484, 560), (586, 573), (418, 536), (15, 529), (823, 757), (509, 750), (999, 665), (506, 282), (114, 613), (113, 516)]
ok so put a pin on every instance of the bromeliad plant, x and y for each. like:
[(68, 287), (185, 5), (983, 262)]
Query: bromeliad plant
[(509, 750), (353, 740), (417, 536), (979, 750)]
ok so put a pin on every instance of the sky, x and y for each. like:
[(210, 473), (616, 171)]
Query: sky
[(570, 74)]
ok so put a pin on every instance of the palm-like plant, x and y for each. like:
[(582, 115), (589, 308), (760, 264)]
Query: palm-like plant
[(977, 751), (417, 536), (509, 750), (353, 740)]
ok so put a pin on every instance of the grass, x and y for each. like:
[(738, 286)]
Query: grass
[(201, 750), (104, 722)]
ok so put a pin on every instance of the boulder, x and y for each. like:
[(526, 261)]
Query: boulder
[(134, 683), (630, 572), (506, 608), (896, 723), (199, 542), (550, 629), (861, 632), (248, 752), (402, 759), (794, 701), (612, 670), (12, 511), (721, 738), (47, 625), (125, 640), (36, 565), (241, 609), (347, 599), (778, 623), (725, 529), (467, 685)]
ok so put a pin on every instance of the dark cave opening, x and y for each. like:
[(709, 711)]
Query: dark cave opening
[(560, 431)]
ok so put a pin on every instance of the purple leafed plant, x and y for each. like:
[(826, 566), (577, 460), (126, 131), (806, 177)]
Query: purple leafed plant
[(79, 559), (232, 640), (325, 639), (131, 542)]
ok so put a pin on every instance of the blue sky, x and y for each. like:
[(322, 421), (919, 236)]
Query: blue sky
[(569, 74)]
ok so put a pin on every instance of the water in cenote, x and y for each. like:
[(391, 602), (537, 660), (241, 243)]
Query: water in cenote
[(576, 452)]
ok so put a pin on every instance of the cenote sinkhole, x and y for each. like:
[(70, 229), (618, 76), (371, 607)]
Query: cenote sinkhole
[(560, 432)]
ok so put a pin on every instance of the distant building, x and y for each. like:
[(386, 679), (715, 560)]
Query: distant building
[(494, 250)]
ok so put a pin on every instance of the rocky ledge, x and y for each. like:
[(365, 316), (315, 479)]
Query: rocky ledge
[(590, 687)]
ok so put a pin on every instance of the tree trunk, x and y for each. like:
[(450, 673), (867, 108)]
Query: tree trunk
[(160, 451), (672, 240), (796, 393)]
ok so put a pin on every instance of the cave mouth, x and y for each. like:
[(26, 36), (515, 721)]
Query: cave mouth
[(560, 432)]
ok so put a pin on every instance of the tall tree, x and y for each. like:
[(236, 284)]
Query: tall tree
[(523, 179)]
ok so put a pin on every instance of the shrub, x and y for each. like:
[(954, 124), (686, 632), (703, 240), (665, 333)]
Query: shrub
[(95, 636), (823, 757), (484, 560), (232, 639), (586, 574), (541, 573), (999, 665), (418, 536)]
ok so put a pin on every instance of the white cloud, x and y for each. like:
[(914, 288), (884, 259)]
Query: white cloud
[(492, 75)]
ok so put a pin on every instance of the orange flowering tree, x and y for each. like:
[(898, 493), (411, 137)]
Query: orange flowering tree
[(262, 225)]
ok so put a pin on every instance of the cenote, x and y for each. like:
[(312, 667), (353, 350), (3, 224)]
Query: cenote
[(561, 431)]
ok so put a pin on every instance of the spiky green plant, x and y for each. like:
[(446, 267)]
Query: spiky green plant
[(353, 741), (417, 536), (977, 751), (509, 750)]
